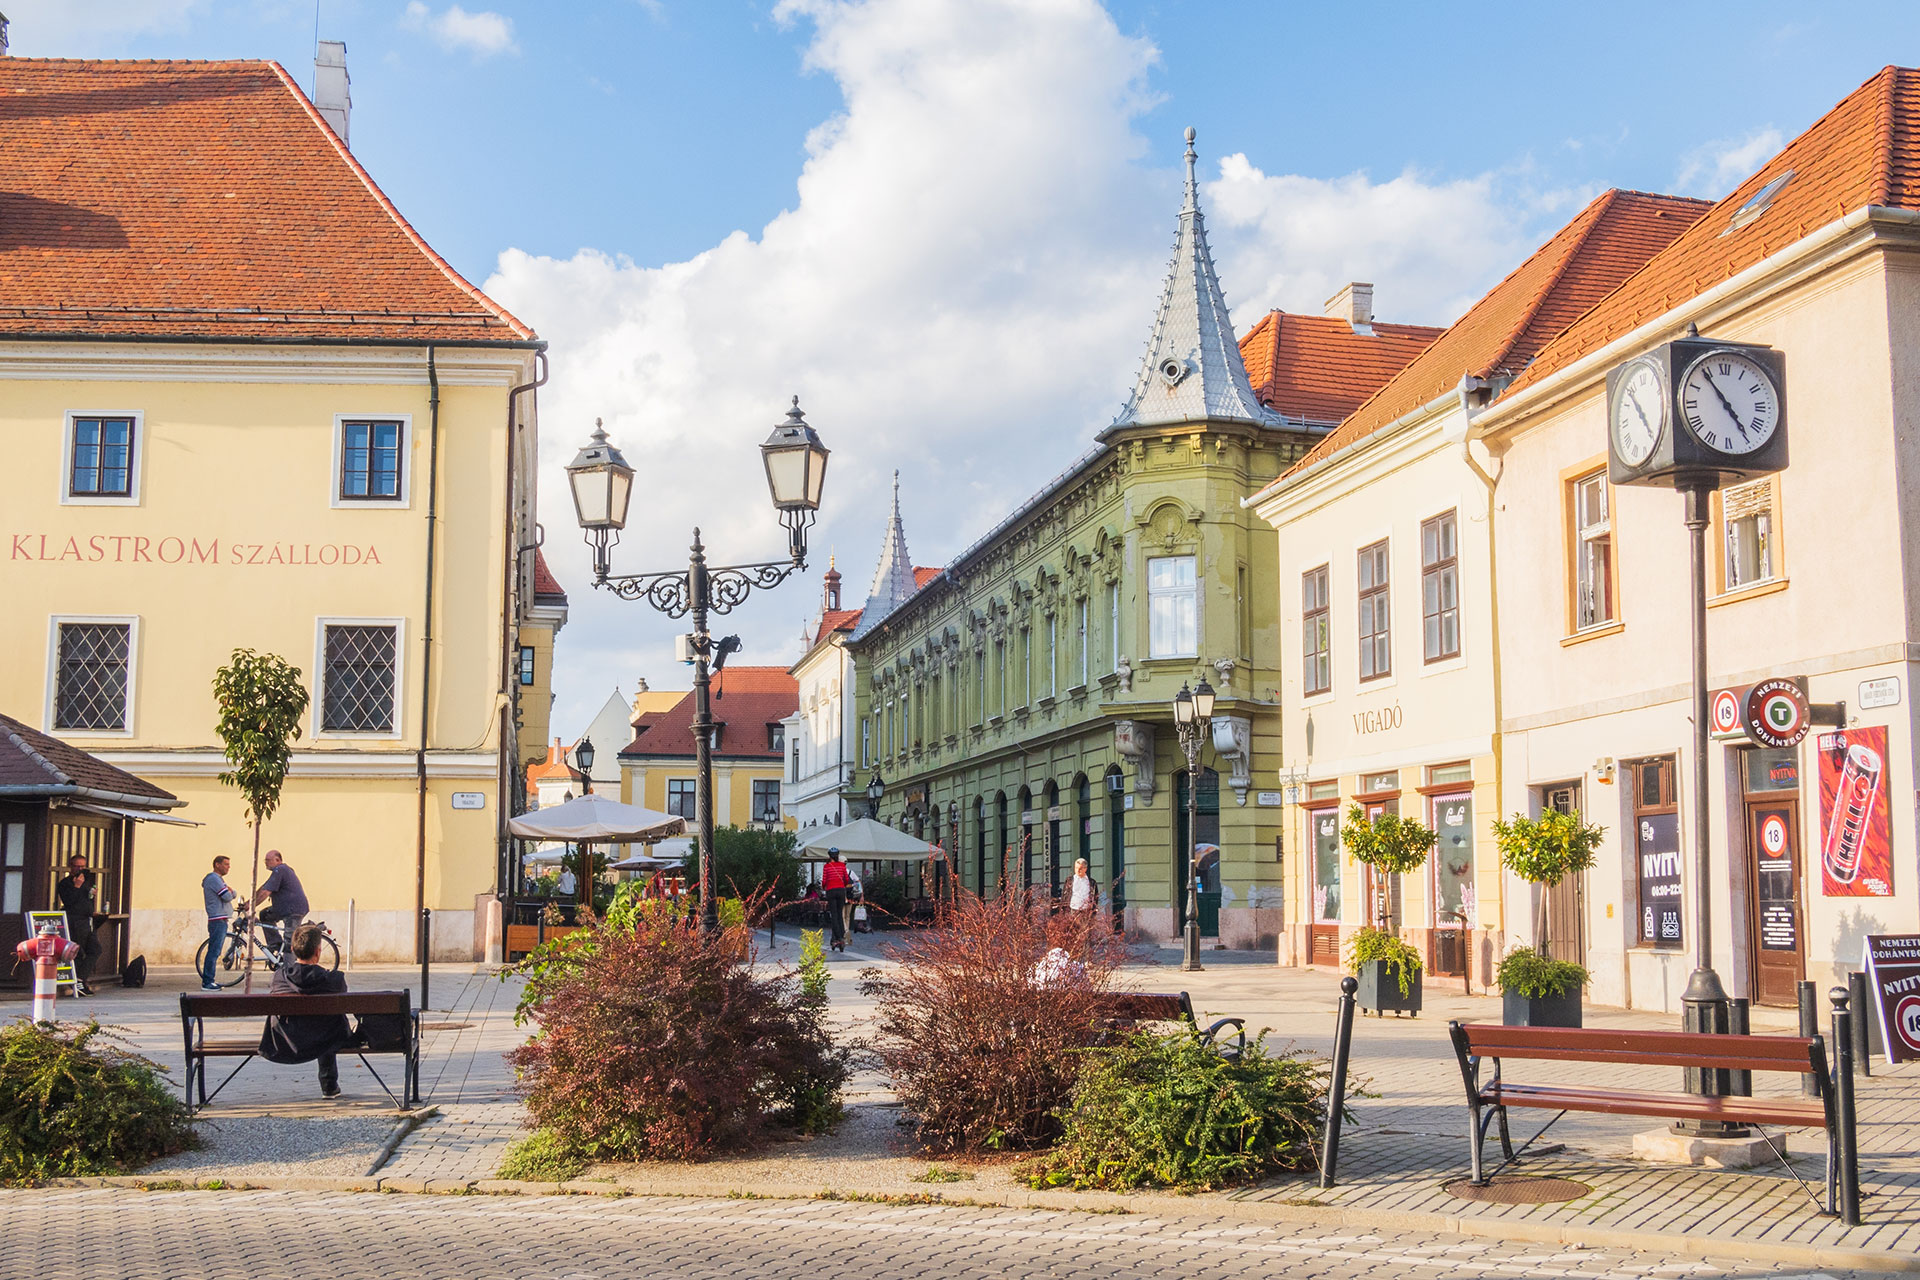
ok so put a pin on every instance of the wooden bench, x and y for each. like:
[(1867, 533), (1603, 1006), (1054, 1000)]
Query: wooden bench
[(195, 1010), (1122, 1011), (1488, 1102)]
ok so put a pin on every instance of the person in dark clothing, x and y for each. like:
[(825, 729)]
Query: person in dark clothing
[(289, 907), (76, 894), (298, 1037)]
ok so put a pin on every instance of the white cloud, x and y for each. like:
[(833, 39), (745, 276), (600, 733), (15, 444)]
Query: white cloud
[(1715, 168), (66, 29), (960, 289), (482, 34)]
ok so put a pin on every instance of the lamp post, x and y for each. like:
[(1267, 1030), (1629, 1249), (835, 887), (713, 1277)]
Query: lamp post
[(1192, 719), (602, 484), (876, 788), (583, 755)]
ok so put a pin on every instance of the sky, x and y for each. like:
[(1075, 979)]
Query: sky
[(944, 223)]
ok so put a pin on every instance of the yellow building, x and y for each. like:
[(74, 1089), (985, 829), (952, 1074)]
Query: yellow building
[(749, 751), (248, 407), (533, 662)]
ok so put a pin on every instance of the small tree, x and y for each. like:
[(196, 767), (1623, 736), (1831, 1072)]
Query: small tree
[(261, 701), (1545, 851), (1387, 844), (748, 861)]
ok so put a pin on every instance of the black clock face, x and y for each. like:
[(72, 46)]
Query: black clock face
[(1730, 402)]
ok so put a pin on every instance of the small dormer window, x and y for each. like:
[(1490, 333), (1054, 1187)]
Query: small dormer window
[(1173, 371), (776, 737), (1757, 203)]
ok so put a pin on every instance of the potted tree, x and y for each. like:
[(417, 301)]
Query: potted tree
[(1388, 968), (1535, 989)]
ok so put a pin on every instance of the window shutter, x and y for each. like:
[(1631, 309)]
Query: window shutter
[(1754, 498)]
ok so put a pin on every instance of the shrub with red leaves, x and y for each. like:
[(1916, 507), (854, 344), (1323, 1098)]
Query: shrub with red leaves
[(658, 1042), (982, 1023)]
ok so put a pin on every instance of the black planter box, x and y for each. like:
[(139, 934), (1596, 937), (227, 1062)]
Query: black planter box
[(1380, 990), (1540, 1011)]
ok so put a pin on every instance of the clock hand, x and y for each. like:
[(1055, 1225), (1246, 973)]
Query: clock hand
[(1634, 400), (1724, 402)]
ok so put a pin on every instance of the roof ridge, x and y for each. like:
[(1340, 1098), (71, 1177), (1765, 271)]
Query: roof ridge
[(1883, 135), (373, 188), (60, 776), (1581, 228)]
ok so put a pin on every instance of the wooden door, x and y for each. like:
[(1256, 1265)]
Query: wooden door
[(1776, 932)]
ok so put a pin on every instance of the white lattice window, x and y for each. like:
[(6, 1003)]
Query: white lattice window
[(360, 677), (92, 685)]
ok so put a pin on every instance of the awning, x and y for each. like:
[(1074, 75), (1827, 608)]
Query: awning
[(865, 840), (597, 820), (138, 815)]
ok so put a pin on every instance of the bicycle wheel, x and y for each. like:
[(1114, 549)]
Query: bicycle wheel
[(329, 953), (228, 972)]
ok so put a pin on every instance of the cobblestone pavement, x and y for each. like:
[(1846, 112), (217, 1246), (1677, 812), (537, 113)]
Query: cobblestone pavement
[(267, 1235)]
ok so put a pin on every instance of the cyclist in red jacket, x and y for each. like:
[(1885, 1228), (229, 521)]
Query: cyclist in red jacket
[(833, 878)]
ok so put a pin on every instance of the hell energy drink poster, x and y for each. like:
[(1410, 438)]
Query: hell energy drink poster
[(1856, 826)]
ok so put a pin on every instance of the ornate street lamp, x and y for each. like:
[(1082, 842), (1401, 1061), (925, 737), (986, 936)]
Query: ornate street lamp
[(583, 756), (1193, 720), (602, 485), (875, 789)]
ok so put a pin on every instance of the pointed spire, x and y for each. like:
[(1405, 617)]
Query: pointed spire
[(893, 583), (1192, 371)]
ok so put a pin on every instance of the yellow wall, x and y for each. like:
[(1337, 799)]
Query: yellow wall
[(536, 699), (234, 543)]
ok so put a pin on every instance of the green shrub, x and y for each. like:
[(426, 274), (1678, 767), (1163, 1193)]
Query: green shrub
[(73, 1104), (886, 891), (749, 861), (1168, 1111), (813, 965), (542, 1156), (1526, 972), (1369, 944)]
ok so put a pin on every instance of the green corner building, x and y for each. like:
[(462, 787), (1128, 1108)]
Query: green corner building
[(1019, 706)]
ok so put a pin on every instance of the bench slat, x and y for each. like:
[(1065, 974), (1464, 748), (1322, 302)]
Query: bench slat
[(1641, 1048), (1797, 1112), (260, 1006), (1144, 1006)]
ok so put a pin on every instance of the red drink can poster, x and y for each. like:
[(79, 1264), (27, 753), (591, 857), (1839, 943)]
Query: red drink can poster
[(1856, 825)]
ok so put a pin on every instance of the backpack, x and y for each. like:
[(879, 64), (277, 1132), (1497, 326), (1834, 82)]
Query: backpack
[(135, 974)]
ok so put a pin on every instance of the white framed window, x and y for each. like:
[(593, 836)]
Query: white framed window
[(1113, 626), (682, 799), (90, 675), (866, 742), (1173, 608), (1053, 654), (1749, 521), (1080, 642), (766, 801), (1593, 601), (371, 457), (1440, 588), (1316, 641), (1026, 666), (1376, 648), (361, 664), (100, 458)]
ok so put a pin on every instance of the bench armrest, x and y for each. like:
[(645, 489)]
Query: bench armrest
[(1212, 1033)]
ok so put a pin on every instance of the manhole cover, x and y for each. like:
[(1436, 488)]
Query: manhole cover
[(1520, 1190), (445, 1026)]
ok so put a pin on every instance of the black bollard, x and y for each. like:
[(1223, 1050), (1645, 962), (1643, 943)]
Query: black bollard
[(1337, 1091), (1857, 1002), (1739, 1014), (1809, 1028), (426, 952), (1843, 1104)]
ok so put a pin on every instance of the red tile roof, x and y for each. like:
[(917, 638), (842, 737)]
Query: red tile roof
[(38, 765), (1865, 151), (748, 699), (922, 575), (554, 766), (1318, 368), (1606, 242), (836, 620), (206, 200), (544, 583)]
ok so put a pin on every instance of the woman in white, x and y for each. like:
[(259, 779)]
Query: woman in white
[(1083, 900)]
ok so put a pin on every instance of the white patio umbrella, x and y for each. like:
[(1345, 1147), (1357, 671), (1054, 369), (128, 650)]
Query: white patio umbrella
[(597, 820), (865, 840)]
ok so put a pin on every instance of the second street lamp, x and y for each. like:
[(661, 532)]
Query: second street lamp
[(602, 485), (1192, 720), (875, 789)]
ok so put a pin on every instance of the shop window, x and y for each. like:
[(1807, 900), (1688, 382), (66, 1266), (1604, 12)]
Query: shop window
[(1749, 519), (1439, 588), (1316, 644), (1328, 790), (93, 676), (526, 664), (1376, 652), (102, 457), (1659, 886), (1375, 783), (766, 800), (1441, 775), (1452, 860), (1173, 608), (682, 800), (1326, 865), (359, 683), (1593, 563)]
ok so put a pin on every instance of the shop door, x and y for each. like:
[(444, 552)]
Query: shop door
[(1452, 889), (1776, 930), (1208, 890)]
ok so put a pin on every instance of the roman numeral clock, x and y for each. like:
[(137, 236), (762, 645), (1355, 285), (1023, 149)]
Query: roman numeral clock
[(1697, 414)]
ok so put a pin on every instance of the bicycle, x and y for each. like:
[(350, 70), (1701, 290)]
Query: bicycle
[(232, 966)]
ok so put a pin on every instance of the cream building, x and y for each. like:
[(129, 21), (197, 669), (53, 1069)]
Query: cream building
[(1391, 698), (751, 707), (1817, 255), (248, 407)]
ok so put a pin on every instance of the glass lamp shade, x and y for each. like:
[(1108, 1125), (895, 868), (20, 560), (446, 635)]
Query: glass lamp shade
[(1183, 706), (796, 463), (583, 755), (876, 788), (1203, 700), (602, 483)]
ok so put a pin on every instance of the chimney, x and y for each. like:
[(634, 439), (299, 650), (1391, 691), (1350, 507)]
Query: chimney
[(331, 97), (1354, 304)]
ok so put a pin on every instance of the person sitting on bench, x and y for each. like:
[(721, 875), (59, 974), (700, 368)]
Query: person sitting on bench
[(292, 1038)]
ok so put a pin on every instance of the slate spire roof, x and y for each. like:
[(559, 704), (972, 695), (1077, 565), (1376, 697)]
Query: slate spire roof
[(893, 579), (1192, 371)]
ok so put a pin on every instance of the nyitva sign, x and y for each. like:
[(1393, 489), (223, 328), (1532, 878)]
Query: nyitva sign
[(1893, 978)]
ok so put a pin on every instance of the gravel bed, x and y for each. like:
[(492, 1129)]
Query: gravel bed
[(282, 1146)]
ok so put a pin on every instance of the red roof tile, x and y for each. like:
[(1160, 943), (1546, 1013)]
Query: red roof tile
[(1318, 368), (1865, 151), (544, 583), (206, 199), (1606, 242), (922, 575), (835, 620), (554, 766), (748, 700), (38, 764)]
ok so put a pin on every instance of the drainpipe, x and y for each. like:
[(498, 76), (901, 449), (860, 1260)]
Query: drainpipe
[(510, 553), (426, 654), (1473, 389)]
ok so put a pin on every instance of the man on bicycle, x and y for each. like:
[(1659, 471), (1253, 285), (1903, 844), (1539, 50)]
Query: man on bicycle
[(289, 905)]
